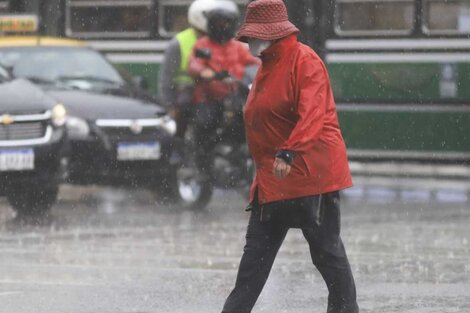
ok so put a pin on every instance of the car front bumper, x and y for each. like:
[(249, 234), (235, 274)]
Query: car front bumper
[(94, 160), (49, 162)]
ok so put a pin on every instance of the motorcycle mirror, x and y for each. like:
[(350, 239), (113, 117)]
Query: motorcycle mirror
[(203, 53)]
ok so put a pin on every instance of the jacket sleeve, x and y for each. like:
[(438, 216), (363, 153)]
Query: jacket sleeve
[(170, 67), (196, 65), (311, 85)]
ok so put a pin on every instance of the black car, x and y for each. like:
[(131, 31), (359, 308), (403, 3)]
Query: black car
[(118, 134), (32, 145)]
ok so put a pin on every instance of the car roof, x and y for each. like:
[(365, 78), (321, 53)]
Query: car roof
[(35, 41)]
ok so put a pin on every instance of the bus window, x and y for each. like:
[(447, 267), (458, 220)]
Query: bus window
[(173, 15), (108, 18), (447, 17), (3, 6), (374, 17)]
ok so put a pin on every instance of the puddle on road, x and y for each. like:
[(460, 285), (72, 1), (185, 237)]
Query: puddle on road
[(404, 259)]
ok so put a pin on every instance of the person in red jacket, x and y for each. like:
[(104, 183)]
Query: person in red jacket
[(223, 54), (301, 162)]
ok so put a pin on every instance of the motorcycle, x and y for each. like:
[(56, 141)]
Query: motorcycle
[(231, 166)]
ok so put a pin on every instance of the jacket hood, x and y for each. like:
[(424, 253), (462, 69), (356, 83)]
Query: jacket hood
[(92, 106), (19, 96)]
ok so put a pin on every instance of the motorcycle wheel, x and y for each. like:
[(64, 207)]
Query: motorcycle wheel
[(187, 190)]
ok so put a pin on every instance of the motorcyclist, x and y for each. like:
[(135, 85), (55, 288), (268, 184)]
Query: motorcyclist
[(174, 84), (225, 55)]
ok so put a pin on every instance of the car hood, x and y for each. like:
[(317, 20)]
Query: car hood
[(92, 106), (19, 96)]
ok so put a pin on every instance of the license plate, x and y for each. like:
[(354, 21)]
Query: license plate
[(16, 160), (138, 151)]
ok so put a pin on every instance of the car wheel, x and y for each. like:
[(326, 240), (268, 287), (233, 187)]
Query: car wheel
[(32, 200), (186, 189)]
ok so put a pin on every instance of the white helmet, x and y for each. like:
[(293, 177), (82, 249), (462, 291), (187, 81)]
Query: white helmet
[(197, 13)]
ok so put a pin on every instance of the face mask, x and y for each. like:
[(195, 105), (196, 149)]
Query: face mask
[(257, 46)]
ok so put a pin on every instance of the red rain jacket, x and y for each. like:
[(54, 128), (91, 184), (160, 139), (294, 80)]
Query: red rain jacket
[(232, 56), (291, 107)]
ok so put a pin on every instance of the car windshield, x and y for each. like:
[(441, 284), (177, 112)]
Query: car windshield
[(80, 68)]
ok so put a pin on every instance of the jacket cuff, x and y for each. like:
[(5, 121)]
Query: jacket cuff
[(286, 155)]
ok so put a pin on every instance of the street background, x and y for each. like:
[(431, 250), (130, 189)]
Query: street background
[(401, 79), (115, 250)]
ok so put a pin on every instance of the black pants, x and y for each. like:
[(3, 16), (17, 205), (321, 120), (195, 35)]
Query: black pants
[(264, 238)]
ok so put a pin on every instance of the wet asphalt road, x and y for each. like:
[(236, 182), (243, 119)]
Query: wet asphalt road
[(112, 250)]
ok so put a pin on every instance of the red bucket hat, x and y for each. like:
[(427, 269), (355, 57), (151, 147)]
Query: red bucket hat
[(266, 20)]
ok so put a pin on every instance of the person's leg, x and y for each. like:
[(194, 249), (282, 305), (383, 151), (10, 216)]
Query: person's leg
[(180, 115), (263, 240), (329, 256), (203, 139), (182, 110), (205, 133)]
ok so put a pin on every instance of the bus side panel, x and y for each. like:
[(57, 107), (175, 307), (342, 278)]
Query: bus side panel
[(406, 132), (400, 82)]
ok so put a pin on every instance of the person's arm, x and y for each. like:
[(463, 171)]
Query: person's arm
[(199, 69), (311, 91), (311, 84), (169, 70), (197, 66)]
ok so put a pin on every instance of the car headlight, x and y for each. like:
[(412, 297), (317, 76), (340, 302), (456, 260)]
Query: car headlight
[(58, 115), (77, 127), (169, 125)]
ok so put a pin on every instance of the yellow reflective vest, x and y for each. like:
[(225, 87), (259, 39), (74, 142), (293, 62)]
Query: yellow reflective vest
[(186, 39)]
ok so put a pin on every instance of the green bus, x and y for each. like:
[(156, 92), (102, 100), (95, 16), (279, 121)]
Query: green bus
[(400, 69)]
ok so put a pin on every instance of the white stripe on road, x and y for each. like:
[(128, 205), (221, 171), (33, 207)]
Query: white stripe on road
[(48, 283), (9, 293)]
